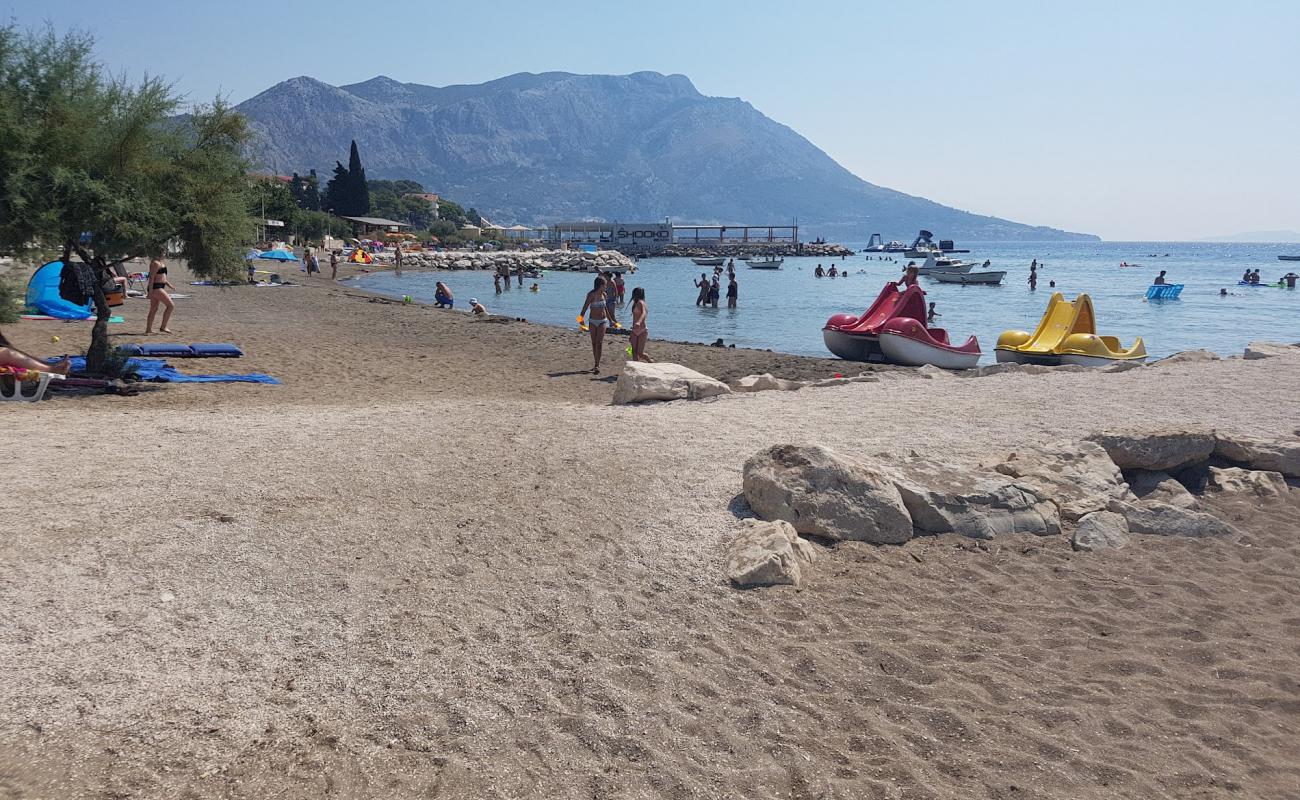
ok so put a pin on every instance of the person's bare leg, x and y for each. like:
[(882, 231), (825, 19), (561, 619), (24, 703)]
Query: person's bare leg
[(169, 305), (12, 357), (153, 309), (597, 341)]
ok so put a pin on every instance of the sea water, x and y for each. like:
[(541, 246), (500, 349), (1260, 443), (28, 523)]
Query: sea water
[(785, 309)]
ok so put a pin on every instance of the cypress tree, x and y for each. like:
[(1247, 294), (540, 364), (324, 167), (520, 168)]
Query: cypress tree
[(358, 189)]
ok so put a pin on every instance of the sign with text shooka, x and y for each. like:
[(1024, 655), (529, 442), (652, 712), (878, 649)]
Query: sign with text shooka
[(652, 233)]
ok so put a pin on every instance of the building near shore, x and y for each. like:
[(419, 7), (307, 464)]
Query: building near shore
[(369, 226), (638, 237)]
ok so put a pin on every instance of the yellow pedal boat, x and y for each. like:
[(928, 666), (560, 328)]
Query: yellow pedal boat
[(1067, 334)]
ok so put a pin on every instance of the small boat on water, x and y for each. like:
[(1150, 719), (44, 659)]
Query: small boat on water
[(935, 263), (771, 262), (857, 338), (908, 341), (1288, 258), (710, 262), (990, 278)]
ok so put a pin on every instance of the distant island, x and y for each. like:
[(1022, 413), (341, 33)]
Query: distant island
[(538, 149), (1258, 237)]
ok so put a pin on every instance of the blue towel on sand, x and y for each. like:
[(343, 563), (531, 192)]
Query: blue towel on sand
[(157, 370)]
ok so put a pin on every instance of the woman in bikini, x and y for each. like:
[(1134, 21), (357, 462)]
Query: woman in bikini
[(639, 331), (158, 286), (598, 313)]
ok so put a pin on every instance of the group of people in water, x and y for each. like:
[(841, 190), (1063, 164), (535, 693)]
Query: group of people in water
[(1288, 280), (710, 290)]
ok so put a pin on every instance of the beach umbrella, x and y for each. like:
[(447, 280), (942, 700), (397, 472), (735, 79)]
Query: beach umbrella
[(278, 255)]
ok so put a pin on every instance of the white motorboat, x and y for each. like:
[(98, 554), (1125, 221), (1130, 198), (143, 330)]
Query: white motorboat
[(935, 263), (710, 262), (878, 245), (771, 262), (989, 278)]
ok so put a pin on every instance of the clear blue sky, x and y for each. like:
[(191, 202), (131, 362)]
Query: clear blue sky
[(1132, 120)]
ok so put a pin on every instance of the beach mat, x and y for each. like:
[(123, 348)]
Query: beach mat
[(216, 350), (159, 371), (48, 318)]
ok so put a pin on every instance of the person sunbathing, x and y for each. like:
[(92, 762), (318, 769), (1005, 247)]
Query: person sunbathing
[(11, 356)]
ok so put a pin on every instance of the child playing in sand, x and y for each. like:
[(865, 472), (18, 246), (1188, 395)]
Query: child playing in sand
[(476, 308)]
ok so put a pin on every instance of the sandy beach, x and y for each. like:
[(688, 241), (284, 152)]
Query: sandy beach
[(436, 562)]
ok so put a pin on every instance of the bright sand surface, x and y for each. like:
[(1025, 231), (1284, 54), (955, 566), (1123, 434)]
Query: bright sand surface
[(435, 564)]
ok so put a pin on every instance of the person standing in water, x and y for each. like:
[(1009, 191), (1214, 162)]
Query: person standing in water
[(703, 285), (932, 315), (1033, 276), (598, 313), (909, 276), (618, 285), (715, 291), (640, 334), (397, 261), (733, 291)]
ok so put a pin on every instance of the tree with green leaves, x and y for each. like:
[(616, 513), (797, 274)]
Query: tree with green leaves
[(347, 194), (96, 166)]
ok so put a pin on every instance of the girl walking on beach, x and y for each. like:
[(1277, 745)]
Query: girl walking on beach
[(598, 313), (158, 286), (639, 331)]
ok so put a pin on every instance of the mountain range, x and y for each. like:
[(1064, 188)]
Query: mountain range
[(541, 148)]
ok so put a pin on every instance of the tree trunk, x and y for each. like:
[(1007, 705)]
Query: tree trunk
[(97, 355)]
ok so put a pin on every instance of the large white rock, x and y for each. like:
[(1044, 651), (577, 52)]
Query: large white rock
[(1159, 451), (1161, 519), (768, 554), (1100, 530), (1257, 350), (1257, 454), (942, 498), (825, 494), (1256, 483), (661, 380), (1079, 476)]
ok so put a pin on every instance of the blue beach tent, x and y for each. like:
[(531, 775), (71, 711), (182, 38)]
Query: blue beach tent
[(43, 295)]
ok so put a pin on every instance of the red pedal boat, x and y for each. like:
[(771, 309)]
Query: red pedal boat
[(908, 341), (858, 338)]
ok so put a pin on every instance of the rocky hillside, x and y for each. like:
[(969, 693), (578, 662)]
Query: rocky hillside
[(541, 148)]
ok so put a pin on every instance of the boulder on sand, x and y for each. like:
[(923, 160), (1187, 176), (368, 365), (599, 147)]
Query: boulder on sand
[(1161, 487), (1254, 483), (641, 382), (942, 498), (1160, 519), (1161, 451), (1258, 350), (1257, 454), (825, 494), (1080, 476), (768, 554), (1100, 530), (762, 383)]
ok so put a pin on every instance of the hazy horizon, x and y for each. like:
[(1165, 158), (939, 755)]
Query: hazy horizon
[(1128, 121)]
